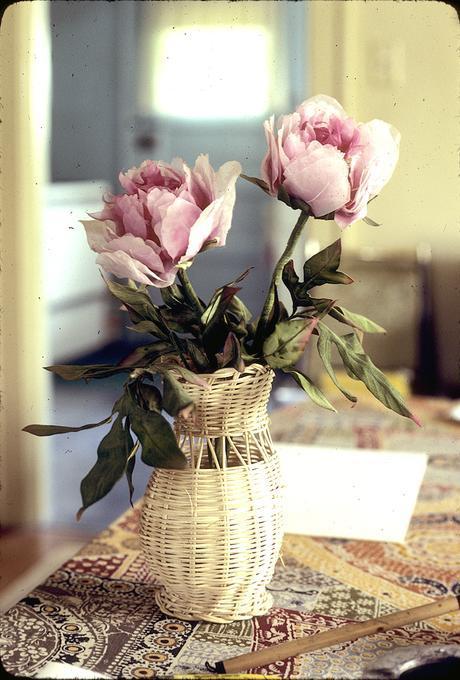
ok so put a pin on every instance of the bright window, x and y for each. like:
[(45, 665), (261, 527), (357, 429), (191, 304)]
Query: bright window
[(212, 72)]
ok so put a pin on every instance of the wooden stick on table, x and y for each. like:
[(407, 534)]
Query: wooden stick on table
[(347, 633)]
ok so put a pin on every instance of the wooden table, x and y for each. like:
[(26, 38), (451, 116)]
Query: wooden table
[(98, 611)]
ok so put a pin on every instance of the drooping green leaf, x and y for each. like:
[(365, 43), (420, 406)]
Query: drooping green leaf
[(286, 344), (46, 430), (311, 389), (157, 439), (355, 320), (175, 397), (324, 347), (149, 397), (112, 455), (359, 363), (258, 182), (77, 372)]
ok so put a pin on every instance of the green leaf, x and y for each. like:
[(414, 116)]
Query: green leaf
[(198, 357), (239, 310), (355, 320), (149, 397), (146, 354), (310, 388), (231, 354), (175, 397), (173, 296), (258, 182), (371, 222), (322, 267), (77, 372), (145, 327), (159, 444), (359, 364), (46, 430), (112, 455), (131, 460), (286, 344), (324, 347)]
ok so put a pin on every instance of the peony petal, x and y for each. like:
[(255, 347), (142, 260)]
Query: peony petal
[(320, 178), (124, 266), (174, 229), (99, 234), (203, 229), (320, 108), (139, 250), (271, 169)]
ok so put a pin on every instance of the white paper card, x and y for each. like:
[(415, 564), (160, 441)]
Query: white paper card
[(56, 669), (364, 494)]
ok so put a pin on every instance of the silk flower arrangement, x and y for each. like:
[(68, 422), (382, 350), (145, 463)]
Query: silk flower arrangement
[(321, 163)]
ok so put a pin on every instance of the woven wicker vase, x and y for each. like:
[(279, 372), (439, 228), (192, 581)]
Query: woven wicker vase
[(211, 533)]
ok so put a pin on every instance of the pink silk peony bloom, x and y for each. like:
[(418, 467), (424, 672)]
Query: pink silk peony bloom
[(326, 159), (168, 214)]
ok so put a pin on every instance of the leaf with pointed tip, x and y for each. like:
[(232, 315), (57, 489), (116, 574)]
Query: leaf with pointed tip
[(258, 182), (286, 344), (310, 388), (157, 439), (175, 397), (231, 354), (144, 355), (199, 359), (324, 347), (79, 372), (239, 309), (112, 456), (322, 267), (46, 430), (371, 222), (359, 363), (144, 327), (355, 320)]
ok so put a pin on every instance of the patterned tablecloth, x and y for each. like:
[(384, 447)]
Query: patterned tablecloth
[(98, 610)]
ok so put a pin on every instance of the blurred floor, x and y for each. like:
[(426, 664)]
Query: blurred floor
[(29, 555)]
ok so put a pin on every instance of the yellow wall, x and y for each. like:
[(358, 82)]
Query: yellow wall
[(399, 61), (23, 145)]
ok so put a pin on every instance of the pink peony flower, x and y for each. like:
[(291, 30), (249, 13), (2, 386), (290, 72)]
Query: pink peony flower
[(168, 214), (326, 159)]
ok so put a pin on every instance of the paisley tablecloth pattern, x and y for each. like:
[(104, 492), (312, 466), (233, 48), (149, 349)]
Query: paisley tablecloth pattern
[(98, 610)]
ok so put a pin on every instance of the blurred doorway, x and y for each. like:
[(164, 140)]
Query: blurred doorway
[(211, 73)]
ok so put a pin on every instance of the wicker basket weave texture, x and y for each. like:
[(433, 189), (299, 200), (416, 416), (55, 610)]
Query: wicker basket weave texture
[(212, 535)]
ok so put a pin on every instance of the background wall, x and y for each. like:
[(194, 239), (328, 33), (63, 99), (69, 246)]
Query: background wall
[(399, 61)]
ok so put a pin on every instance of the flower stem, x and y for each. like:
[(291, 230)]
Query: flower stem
[(189, 291), (276, 278)]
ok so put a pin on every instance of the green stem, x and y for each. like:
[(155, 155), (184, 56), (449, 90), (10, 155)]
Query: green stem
[(277, 274), (190, 292)]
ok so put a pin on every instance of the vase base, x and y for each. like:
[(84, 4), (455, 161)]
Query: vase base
[(177, 607)]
